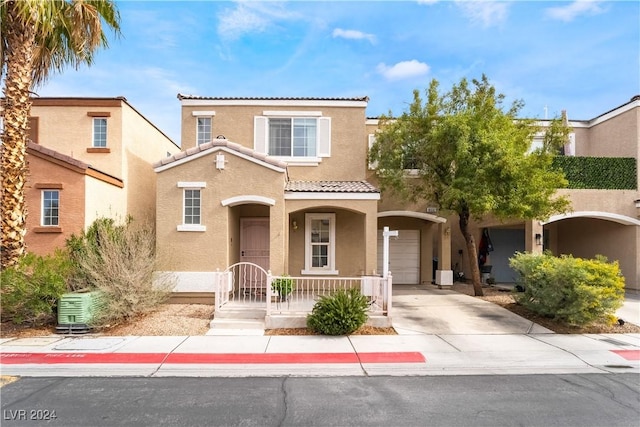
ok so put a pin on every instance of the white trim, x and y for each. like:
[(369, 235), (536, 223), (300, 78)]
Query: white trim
[(331, 251), (203, 113), (412, 214), (42, 224), (192, 184), (213, 150), (372, 121), (299, 161), (320, 272), (239, 200), (191, 227), (331, 196), (620, 219), (285, 113), (620, 110), (275, 102)]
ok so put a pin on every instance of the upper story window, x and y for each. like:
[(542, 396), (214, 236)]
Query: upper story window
[(297, 137), (50, 208), (99, 132), (203, 130)]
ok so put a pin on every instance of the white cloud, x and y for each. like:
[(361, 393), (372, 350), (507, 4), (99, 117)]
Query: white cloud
[(251, 17), (353, 35), (403, 70), (487, 13), (571, 11)]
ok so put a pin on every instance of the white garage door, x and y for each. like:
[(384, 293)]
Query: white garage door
[(404, 256)]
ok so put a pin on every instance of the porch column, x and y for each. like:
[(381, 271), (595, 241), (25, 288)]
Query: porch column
[(371, 241), (444, 274), (278, 234), (533, 237)]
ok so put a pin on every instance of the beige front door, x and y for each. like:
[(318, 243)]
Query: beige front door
[(254, 241)]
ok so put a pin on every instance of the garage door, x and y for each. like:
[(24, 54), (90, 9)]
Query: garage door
[(404, 256)]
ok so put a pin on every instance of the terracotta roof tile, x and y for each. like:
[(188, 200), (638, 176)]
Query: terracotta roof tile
[(272, 98), (56, 155), (216, 143), (331, 187)]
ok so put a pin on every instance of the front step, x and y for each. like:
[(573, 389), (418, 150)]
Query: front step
[(226, 326)]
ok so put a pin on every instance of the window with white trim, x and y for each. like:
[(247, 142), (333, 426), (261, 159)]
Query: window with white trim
[(296, 138), (191, 206), (99, 132), (203, 130), (320, 243), (50, 208)]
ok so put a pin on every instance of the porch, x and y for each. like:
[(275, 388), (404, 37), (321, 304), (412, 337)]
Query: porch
[(246, 291)]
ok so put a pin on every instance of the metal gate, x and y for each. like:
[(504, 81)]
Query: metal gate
[(246, 285)]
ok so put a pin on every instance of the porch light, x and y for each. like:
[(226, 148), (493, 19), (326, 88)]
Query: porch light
[(294, 225), (637, 203), (538, 239)]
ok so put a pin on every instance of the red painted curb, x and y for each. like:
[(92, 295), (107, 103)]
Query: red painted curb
[(628, 354), (208, 358)]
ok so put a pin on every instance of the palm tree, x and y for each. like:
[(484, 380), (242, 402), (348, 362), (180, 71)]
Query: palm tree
[(38, 37)]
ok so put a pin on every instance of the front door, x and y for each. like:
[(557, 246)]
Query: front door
[(254, 248)]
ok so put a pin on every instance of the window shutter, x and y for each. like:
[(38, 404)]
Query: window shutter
[(260, 141), (372, 140), (324, 136)]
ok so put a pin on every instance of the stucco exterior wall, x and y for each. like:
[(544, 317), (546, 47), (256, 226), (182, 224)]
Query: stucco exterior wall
[(143, 144), (43, 240), (103, 200), (348, 147), (356, 234), (64, 126), (212, 249), (613, 137)]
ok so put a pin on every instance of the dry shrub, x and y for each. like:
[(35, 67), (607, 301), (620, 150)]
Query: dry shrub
[(119, 261)]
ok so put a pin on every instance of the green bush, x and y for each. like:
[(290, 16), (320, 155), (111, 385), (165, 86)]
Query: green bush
[(340, 313), (283, 286), (31, 288), (119, 261), (608, 173), (572, 290)]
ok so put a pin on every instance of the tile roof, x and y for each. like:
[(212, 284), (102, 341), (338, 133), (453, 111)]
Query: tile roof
[(274, 98), (331, 187), (217, 143), (56, 155)]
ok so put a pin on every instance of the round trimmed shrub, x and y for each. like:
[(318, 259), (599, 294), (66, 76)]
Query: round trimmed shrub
[(340, 313)]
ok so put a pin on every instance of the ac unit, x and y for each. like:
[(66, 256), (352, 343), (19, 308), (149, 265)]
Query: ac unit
[(77, 310)]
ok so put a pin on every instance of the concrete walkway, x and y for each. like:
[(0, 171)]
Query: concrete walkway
[(440, 332)]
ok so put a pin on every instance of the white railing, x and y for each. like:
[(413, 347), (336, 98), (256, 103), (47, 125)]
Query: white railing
[(306, 291)]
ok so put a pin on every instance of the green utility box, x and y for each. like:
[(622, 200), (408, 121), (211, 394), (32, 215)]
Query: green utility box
[(76, 311)]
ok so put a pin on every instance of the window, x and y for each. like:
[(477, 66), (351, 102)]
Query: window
[(320, 244), (301, 138), (292, 137), (50, 207), (99, 132), (192, 206), (203, 130)]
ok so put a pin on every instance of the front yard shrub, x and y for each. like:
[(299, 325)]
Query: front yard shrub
[(283, 286), (119, 261), (32, 287), (572, 290), (340, 313)]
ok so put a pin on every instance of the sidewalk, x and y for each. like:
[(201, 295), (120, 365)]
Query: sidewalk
[(439, 333)]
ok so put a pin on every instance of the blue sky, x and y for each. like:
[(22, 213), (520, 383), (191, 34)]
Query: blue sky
[(582, 56)]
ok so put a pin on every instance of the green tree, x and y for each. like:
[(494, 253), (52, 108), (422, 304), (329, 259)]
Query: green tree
[(473, 158), (38, 37)]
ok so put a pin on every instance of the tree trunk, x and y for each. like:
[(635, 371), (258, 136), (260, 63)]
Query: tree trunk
[(471, 250), (15, 112)]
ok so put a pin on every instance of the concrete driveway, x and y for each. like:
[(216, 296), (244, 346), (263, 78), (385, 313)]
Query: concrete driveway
[(429, 310)]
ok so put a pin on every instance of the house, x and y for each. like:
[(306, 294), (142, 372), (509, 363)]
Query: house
[(601, 163), (284, 183), (88, 158)]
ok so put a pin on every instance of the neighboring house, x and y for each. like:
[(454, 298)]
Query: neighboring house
[(603, 189), (60, 197), (88, 158)]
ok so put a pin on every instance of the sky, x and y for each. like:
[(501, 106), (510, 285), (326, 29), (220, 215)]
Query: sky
[(579, 56)]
